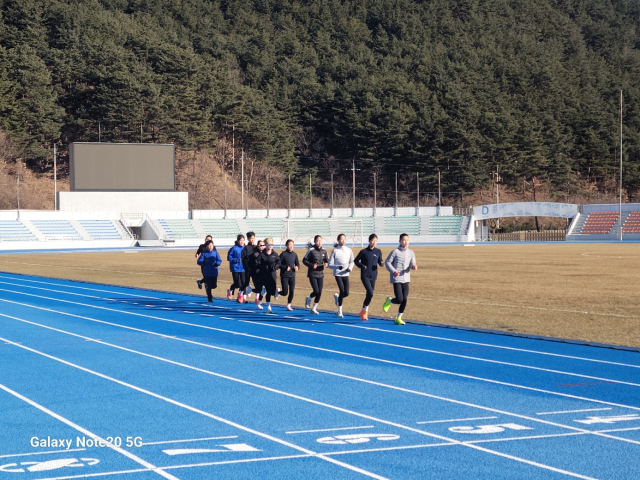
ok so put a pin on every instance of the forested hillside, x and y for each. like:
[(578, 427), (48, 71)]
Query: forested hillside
[(308, 86)]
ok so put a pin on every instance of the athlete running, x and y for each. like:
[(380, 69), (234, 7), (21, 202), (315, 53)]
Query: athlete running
[(368, 261), (400, 262), (289, 265), (316, 260), (341, 262)]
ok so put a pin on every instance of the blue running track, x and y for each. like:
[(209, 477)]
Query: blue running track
[(109, 382)]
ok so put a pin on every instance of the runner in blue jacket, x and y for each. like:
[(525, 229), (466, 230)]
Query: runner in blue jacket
[(234, 256), (210, 261)]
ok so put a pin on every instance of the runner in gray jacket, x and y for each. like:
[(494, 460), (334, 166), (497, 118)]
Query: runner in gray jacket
[(400, 262)]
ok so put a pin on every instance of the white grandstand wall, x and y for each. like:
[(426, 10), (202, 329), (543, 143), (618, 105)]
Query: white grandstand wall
[(123, 202)]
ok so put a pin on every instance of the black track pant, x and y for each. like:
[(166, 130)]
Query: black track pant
[(257, 285), (316, 285), (369, 286), (271, 286), (202, 270), (343, 286), (288, 287), (238, 282), (401, 291), (210, 283)]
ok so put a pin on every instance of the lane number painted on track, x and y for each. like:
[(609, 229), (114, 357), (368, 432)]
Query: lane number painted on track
[(230, 447), (357, 438), (487, 429), (609, 420), (48, 465)]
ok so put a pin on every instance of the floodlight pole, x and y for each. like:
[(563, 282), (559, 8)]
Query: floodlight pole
[(418, 185), (310, 198), (268, 179), (225, 195), (242, 180), (331, 196), (396, 212), (289, 212), (99, 133), (439, 194), (374, 194), (55, 179), (497, 192), (353, 213), (620, 212)]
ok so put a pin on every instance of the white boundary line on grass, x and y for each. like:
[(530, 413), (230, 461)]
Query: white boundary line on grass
[(255, 322), (187, 407), (391, 362), (395, 332), (298, 397), (349, 377), (86, 432)]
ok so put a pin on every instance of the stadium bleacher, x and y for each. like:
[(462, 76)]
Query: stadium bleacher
[(57, 229), (398, 225), (266, 227), (101, 229), (15, 231), (445, 225), (220, 227), (632, 224), (599, 222), (311, 228), (178, 229)]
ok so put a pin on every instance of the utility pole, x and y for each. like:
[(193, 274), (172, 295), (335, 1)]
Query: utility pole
[(310, 198), (396, 212), (331, 196), (225, 195), (439, 194), (268, 179), (289, 212), (99, 133), (418, 184), (55, 179), (497, 192), (374, 194)]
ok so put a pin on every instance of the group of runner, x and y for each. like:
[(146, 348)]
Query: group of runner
[(257, 262)]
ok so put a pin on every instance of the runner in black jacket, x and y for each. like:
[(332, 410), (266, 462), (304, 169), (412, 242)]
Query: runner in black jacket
[(255, 275), (267, 266), (317, 260), (368, 261), (289, 265), (247, 255)]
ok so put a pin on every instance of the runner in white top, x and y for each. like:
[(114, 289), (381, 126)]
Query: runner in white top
[(341, 262)]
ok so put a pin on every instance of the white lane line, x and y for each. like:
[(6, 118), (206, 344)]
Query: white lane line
[(391, 331), (574, 411), (42, 453), (329, 429), (187, 407), (456, 420), (304, 399), (392, 387), (348, 354), (253, 322), (480, 344), (189, 440), (446, 354), (86, 432), (565, 395), (153, 274)]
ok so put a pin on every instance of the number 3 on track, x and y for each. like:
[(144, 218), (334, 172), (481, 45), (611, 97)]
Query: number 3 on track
[(485, 429)]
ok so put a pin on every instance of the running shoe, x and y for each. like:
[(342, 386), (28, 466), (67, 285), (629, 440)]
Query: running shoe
[(240, 298), (339, 315), (336, 298), (307, 302), (258, 306), (277, 293), (398, 321), (269, 309), (314, 311), (199, 282), (248, 290), (229, 295), (386, 305), (210, 299), (257, 300), (364, 315), (263, 292), (289, 309)]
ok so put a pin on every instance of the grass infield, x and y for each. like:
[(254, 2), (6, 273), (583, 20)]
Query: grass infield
[(588, 292)]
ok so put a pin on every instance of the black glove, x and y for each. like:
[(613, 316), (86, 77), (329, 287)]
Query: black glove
[(342, 268)]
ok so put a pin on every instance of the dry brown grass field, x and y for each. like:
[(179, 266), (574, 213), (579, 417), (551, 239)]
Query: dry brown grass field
[(587, 292)]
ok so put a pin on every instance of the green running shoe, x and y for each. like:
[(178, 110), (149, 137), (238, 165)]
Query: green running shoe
[(386, 305), (398, 321)]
